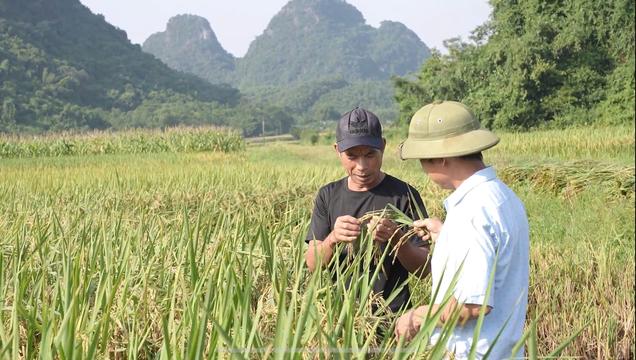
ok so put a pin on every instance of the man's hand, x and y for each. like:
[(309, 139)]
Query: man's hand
[(428, 228), (384, 230), (346, 229), (408, 324)]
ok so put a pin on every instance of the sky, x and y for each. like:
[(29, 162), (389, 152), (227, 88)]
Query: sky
[(236, 23)]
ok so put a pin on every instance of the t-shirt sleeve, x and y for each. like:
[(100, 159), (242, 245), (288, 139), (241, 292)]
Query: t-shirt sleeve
[(320, 226), (478, 263), (414, 207)]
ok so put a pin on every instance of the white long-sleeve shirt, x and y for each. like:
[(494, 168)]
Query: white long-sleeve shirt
[(485, 221)]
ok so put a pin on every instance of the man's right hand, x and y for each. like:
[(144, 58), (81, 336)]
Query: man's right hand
[(346, 229), (408, 325), (428, 228)]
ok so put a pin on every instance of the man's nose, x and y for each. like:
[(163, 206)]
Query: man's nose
[(362, 163)]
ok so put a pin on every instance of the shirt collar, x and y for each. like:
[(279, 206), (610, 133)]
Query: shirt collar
[(465, 187)]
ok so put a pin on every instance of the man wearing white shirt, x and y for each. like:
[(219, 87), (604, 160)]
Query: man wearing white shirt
[(485, 233)]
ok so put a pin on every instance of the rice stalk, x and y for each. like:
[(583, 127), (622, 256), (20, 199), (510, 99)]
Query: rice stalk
[(404, 222)]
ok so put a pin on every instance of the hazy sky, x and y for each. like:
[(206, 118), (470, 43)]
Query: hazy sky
[(237, 22)]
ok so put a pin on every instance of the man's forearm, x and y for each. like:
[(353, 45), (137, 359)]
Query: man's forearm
[(466, 312), (319, 251), (414, 259)]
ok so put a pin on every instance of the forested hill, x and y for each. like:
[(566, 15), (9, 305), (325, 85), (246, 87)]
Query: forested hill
[(62, 67), (317, 59), (537, 64), (190, 45), (308, 40), (313, 39)]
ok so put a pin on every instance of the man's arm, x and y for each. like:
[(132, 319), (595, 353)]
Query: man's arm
[(346, 229), (319, 251), (409, 324), (466, 311), (413, 254), (320, 244), (414, 258)]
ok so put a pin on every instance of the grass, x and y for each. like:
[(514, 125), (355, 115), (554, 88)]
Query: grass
[(198, 255)]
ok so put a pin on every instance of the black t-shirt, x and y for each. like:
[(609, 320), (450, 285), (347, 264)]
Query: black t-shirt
[(335, 199)]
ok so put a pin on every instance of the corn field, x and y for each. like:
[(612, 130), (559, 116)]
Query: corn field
[(173, 140), (191, 255)]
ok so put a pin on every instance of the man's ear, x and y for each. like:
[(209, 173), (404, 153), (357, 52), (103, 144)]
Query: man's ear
[(383, 144), (335, 147)]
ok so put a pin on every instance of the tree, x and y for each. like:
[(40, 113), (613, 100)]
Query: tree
[(8, 113), (534, 64)]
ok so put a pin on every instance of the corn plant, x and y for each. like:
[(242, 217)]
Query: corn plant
[(172, 140)]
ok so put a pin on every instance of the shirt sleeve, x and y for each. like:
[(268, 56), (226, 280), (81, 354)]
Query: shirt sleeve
[(320, 226), (477, 263)]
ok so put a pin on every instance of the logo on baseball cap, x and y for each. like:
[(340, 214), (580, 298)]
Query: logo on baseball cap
[(359, 127)]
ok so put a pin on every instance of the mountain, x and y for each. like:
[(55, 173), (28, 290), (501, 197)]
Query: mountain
[(396, 49), (190, 45), (314, 39), (308, 40), (315, 57), (63, 67)]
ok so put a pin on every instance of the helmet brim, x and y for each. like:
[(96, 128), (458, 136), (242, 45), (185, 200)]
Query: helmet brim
[(459, 145)]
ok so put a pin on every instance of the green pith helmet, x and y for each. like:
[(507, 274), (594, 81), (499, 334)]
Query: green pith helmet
[(445, 129)]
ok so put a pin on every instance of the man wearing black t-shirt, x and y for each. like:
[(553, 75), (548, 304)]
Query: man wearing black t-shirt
[(360, 147)]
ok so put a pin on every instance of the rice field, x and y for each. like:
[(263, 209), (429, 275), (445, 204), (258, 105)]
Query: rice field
[(195, 254)]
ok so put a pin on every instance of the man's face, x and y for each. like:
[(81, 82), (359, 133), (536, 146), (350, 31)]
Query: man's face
[(437, 172), (363, 165)]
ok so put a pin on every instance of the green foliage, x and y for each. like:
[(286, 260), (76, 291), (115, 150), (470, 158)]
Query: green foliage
[(376, 96), (319, 104), (61, 67), (537, 64), (314, 138), (396, 49), (297, 98), (258, 120)]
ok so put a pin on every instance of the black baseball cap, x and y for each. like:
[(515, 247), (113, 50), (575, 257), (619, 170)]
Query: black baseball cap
[(359, 127)]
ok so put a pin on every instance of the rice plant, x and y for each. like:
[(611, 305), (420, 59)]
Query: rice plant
[(200, 255)]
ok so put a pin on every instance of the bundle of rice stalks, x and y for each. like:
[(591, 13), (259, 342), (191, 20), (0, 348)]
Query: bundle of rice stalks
[(404, 222)]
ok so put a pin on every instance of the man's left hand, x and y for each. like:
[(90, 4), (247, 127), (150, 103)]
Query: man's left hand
[(384, 230)]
